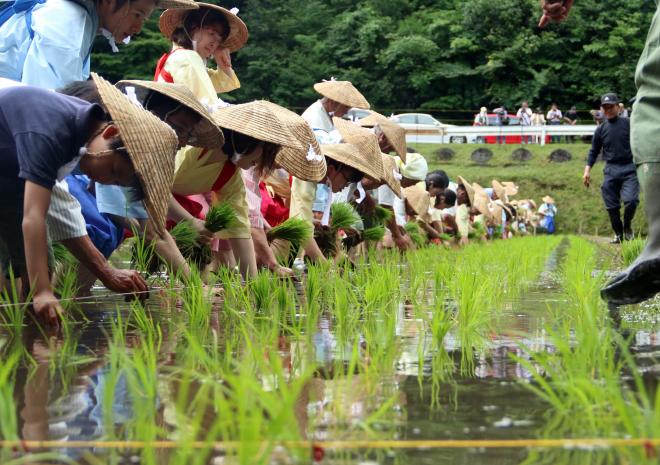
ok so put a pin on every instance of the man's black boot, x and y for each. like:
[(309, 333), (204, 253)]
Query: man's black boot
[(617, 225), (641, 280), (628, 216)]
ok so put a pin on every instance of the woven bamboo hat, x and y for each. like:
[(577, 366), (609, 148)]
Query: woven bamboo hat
[(172, 19), (151, 145), (389, 176), (468, 188), (351, 155), (206, 133), (496, 214), (548, 199), (366, 142), (300, 154), (511, 188), (173, 4), (419, 201), (343, 92), (394, 132), (532, 203), (481, 200), (500, 190)]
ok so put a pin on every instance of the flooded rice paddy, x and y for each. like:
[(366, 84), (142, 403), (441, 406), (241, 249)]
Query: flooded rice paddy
[(412, 360)]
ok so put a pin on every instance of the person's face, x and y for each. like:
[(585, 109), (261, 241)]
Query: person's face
[(251, 158), (384, 144), (525, 105), (461, 195), (183, 122), (339, 109), (610, 111), (341, 177), (440, 202), (369, 183), (107, 167), (554, 106), (127, 20), (208, 38), (434, 191)]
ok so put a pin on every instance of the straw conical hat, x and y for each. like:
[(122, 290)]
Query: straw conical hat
[(206, 133), (395, 133), (419, 201), (174, 4), (532, 203), (511, 188), (342, 92), (266, 121), (468, 188), (500, 190), (389, 168), (496, 214), (373, 119), (365, 140), (350, 155), (151, 145), (172, 19), (548, 199), (481, 200)]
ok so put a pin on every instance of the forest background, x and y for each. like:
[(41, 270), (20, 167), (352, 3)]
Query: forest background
[(446, 57)]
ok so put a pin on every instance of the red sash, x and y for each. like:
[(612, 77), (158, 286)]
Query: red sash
[(160, 68)]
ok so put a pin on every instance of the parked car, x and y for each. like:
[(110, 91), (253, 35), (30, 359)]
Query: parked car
[(356, 114), (422, 124)]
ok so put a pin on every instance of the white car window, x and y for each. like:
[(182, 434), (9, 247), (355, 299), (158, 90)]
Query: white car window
[(425, 119), (406, 119)]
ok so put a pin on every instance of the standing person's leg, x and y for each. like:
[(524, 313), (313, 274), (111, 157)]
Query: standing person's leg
[(611, 193), (641, 280), (630, 198)]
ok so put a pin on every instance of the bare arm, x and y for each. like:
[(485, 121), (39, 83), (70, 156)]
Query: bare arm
[(35, 208), (244, 253), (265, 255), (554, 11)]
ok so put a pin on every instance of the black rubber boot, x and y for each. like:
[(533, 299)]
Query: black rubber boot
[(628, 216), (641, 280), (617, 225)]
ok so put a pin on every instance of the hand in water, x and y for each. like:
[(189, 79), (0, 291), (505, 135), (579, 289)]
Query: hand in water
[(47, 308)]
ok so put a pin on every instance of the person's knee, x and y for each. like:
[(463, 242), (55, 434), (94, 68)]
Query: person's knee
[(630, 203)]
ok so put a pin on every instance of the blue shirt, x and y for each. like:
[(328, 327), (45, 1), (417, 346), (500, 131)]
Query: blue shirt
[(41, 132), (64, 32)]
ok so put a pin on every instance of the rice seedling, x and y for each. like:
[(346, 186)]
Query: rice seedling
[(343, 216), (416, 234), (293, 230), (630, 250), (13, 307), (220, 217), (374, 234), (383, 215)]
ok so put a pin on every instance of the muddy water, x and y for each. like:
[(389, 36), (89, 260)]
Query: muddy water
[(61, 398)]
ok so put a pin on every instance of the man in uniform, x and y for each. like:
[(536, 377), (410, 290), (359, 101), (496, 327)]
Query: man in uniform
[(620, 183)]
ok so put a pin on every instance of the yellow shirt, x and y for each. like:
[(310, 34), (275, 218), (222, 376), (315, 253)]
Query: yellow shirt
[(188, 68), (196, 175), (303, 194), (463, 220)]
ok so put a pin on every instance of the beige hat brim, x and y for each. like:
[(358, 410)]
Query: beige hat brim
[(419, 200), (172, 19), (468, 188), (389, 168), (151, 146), (396, 135), (511, 188), (206, 133), (266, 121), (343, 92), (373, 119), (481, 200), (548, 199), (350, 155), (366, 142)]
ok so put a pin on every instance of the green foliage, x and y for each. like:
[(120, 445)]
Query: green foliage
[(383, 215), (293, 230), (630, 250), (343, 216), (374, 234), (450, 54), (220, 216), (416, 234)]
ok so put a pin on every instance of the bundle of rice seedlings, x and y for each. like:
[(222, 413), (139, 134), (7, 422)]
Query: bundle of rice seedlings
[(383, 215), (480, 231), (185, 236), (374, 234), (326, 239), (144, 257), (220, 216), (62, 255), (446, 237), (294, 230), (416, 234), (343, 216)]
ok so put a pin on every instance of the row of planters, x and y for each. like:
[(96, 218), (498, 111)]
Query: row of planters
[(482, 155)]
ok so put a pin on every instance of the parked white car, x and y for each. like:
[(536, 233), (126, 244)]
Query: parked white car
[(420, 126)]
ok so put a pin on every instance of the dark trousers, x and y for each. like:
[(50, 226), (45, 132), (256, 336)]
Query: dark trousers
[(620, 185)]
